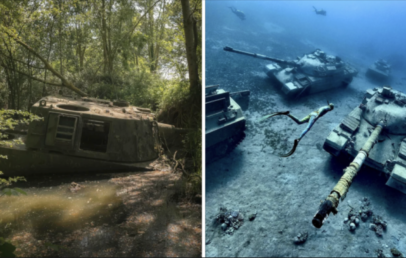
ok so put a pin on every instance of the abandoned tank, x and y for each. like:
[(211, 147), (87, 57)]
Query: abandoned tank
[(225, 121), (84, 135), (308, 74), (389, 152), (379, 71)]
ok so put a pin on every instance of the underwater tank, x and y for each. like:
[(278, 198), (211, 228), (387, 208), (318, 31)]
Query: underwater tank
[(308, 74), (389, 152), (379, 71), (225, 121)]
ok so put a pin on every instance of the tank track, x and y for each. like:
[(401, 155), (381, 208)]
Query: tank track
[(223, 148)]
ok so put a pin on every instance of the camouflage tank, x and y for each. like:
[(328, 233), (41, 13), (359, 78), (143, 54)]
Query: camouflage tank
[(389, 153), (379, 71), (225, 122), (84, 135), (311, 73)]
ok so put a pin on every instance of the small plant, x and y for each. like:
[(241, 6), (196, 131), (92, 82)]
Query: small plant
[(6, 249), (9, 119), (183, 109)]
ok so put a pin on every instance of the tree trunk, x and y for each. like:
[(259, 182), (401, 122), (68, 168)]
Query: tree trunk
[(60, 38), (195, 86), (151, 38)]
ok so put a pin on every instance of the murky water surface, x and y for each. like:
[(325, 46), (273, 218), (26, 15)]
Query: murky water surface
[(62, 207), (128, 214)]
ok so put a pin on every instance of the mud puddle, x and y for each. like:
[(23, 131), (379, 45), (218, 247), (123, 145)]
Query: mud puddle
[(126, 214)]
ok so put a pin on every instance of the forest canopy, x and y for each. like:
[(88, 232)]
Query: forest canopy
[(113, 49), (145, 52)]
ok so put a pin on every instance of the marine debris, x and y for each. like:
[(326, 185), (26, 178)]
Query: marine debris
[(395, 252), (252, 216), (230, 220), (354, 217), (378, 225), (380, 254), (74, 187), (365, 210), (300, 238)]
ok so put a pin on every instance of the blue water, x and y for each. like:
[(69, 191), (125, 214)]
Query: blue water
[(358, 30), (287, 191)]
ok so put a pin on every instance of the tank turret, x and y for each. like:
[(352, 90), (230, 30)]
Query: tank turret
[(340, 190), (308, 74), (225, 121), (276, 60), (353, 136)]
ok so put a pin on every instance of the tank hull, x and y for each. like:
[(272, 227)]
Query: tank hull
[(375, 74), (389, 153), (85, 135), (379, 71), (225, 123), (23, 162), (311, 73), (293, 83)]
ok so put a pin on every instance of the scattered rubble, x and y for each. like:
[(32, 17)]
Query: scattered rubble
[(365, 210), (230, 220), (380, 254), (352, 226), (378, 225), (74, 187), (251, 217), (300, 238), (395, 252), (353, 220), (364, 213)]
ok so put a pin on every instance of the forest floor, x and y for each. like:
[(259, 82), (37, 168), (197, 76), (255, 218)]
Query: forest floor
[(285, 193), (121, 214)]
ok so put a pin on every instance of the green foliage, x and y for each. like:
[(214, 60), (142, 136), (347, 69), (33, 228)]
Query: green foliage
[(6, 249), (183, 109), (110, 49), (9, 119)]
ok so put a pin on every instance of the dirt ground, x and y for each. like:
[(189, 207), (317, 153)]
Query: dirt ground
[(127, 214)]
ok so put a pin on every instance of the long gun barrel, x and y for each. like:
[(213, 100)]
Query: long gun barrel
[(341, 188), (276, 60)]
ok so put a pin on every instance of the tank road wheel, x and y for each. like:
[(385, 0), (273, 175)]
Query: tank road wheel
[(223, 148)]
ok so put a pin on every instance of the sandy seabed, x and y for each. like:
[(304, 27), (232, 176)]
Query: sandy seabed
[(286, 192)]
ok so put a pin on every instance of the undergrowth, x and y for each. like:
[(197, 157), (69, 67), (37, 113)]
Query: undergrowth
[(182, 108), (9, 119)]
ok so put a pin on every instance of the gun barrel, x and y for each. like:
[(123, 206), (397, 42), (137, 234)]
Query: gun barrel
[(340, 190), (276, 60)]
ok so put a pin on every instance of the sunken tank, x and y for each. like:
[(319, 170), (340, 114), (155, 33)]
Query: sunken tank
[(84, 135), (379, 71), (225, 121), (389, 152), (311, 73)]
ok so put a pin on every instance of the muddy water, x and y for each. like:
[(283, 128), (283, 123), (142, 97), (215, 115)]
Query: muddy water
[(55, 207), (60, 207), (128, 214)]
